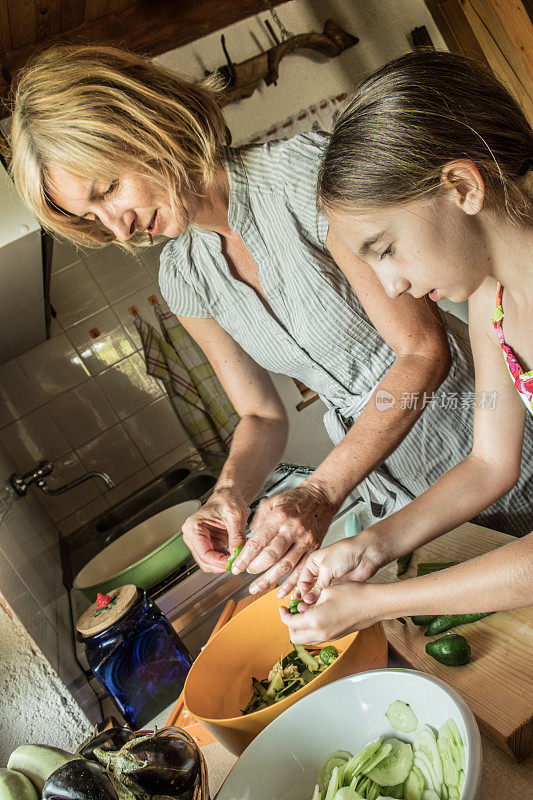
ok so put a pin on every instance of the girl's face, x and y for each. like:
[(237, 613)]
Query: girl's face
[(126, 206), (425, 247)]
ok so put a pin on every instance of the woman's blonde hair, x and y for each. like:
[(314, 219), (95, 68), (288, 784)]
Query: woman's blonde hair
[(100, 112), (414, 115)]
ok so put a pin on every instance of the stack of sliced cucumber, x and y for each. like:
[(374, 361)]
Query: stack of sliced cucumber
[(431, 768)]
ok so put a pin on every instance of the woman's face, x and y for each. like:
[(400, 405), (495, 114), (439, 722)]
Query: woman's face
[(126, 206), (430, 247)]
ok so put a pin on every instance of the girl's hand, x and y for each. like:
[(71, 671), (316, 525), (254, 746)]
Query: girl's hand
[(354, 559), (338, 611), (285, 528), (217, 526)]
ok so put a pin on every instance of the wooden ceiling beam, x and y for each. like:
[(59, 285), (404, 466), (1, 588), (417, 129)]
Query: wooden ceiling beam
[(146, 27)]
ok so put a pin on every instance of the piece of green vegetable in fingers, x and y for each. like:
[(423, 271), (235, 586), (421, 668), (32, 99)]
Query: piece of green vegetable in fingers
[(293, 605), (233, 556), (452, 650), (446, 621)]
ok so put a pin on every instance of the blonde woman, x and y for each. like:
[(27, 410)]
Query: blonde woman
[(110, 147), (428, 178)]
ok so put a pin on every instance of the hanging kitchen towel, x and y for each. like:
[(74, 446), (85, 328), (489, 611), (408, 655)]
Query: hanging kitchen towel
[(163, 362), (201, 373)]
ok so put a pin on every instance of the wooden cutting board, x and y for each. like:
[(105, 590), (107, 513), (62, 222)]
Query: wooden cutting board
[(497, 683)]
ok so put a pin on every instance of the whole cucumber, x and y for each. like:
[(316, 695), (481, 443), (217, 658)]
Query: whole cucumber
[(16, 786), (37, 762), (423, 619), (452, 650), (446, 621)]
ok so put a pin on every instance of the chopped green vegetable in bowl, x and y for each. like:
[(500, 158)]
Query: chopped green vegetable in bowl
[(433, 766), (289, 674)]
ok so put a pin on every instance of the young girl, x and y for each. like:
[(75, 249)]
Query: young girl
[(427, 177)]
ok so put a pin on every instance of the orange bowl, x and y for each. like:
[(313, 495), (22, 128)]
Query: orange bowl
[(219, 682)]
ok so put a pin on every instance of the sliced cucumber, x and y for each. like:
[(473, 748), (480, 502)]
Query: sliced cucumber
[(425, 741), (449, 767), (372, 791), (376, 759), (424, 765), (353, 767), (461, 781), (336, 759), (317, 794), (333, 785), (453, 793), (345, 793), (454, 730), (396, 766), (401, 717), (429, 794), (414, 784)]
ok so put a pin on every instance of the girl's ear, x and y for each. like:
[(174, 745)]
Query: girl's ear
[(465, 184)]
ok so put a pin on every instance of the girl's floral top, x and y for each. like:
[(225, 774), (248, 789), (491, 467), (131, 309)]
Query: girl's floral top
[(522, 380)]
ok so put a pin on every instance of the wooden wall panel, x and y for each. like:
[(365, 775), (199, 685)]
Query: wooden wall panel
[(47, 18), (21, 22), (5, 34), (72, 14)]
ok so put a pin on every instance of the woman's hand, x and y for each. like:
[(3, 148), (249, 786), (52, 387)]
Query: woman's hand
[(339, 610), (285, 528), (354, 559), (217, 526)]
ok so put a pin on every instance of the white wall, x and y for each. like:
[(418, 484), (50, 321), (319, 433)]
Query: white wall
[(383, 28), (35, 706)]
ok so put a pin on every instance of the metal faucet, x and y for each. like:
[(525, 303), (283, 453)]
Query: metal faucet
[(20, 483)]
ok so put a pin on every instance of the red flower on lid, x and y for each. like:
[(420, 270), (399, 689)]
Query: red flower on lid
[(102, 600)]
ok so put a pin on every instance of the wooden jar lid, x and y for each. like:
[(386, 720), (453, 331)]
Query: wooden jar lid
[(96, 619)]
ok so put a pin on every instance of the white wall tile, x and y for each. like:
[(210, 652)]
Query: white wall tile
[(82, 413), (150, 257), (114, 453), (170, 459), (33, 438), (127, 386), (156, 430), (139, 299), (66, 469), (53, 367), (128, 486), (18, 395), (75, 295), (117, 272), (64, 254), (111, 346)]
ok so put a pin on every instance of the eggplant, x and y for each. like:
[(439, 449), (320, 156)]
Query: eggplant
[(171, 765), (83, 780), (157, 763), (109, 740)]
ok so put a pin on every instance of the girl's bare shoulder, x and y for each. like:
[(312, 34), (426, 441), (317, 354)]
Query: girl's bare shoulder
[(481, 306)]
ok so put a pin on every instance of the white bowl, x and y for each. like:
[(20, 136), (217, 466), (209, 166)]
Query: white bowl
[(281, 763)]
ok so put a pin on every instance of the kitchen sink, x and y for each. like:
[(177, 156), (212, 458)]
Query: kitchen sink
[(119, 521), (143, 498), (182, 483)]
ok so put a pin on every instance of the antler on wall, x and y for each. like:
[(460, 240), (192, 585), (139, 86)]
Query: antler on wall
[(243, 79)]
